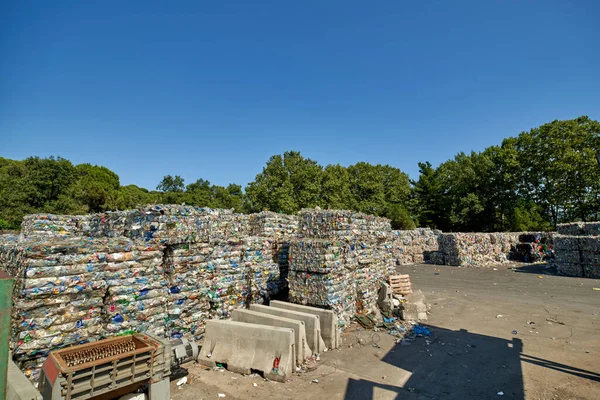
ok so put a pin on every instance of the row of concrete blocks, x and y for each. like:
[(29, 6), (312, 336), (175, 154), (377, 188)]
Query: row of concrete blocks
[(271, 339)]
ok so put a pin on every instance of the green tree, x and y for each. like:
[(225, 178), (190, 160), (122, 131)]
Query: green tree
[(286, 184), (95, 187), (131, 196), (335, 189), (429, 197), (171, 184), (199, 193), (559, 170)]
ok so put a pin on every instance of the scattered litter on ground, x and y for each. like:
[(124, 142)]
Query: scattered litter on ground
[(182, 381), (515, 332), (421, 330), (500, 393)]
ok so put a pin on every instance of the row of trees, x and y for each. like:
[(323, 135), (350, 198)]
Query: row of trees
[(529, 182)]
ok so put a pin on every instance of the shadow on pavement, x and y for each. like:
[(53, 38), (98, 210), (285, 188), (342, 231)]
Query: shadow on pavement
[(582, 373), (538, 269), (458, 365), (454, 365)]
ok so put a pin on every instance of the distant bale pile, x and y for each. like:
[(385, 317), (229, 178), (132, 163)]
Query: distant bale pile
[(496, 248), (577, 248), (462, 249), (414, 246)]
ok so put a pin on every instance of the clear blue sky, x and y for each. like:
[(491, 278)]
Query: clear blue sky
[(213, 89)]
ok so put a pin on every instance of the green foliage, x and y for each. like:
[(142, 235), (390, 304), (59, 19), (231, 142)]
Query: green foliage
[(95, 187), (335, 189), (427, 193), (530, 182), (171, 184), (286, 184)]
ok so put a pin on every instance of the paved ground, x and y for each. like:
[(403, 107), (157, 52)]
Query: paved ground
[(473, 351)]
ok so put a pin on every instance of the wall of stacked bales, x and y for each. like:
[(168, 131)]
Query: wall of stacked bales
[(414, 246), (578, 249), (163, 269), (484, 249)]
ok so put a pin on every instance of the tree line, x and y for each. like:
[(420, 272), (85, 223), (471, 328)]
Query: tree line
[(529, 182)]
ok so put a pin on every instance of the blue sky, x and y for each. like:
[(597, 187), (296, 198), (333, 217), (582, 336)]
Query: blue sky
[(213, 89)]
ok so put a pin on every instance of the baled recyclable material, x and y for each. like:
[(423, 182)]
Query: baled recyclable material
[(274, 225), (578, 254), (61, 287), (53, 225), (414, 246), (328, 224)]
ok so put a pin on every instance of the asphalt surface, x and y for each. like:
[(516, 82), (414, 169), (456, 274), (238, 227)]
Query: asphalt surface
[(495, 334)]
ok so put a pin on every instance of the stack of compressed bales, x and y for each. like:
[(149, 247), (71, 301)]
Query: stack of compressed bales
[(533, 247), (111, 224), (58, 295), (137, 291), (370, 265), (481, 249), (326, 224), (414, 246), (320, 275), (53, 225), (281, 228), (260, 258), (174, 224), (271, 224), (231, 287), (189, 275), (484, 249), (577, 249), (166, 224), (339, 261)]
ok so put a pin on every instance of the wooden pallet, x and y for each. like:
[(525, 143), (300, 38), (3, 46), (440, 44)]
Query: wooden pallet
[(400, 284)]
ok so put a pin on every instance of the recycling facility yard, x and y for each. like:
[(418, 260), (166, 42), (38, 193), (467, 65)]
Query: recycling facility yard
[(510, 315), (472, 351)]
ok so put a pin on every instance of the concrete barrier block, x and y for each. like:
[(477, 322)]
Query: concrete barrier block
[(254, 317), (244, 348), (330, 331), (312, 324), (18, 387)]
